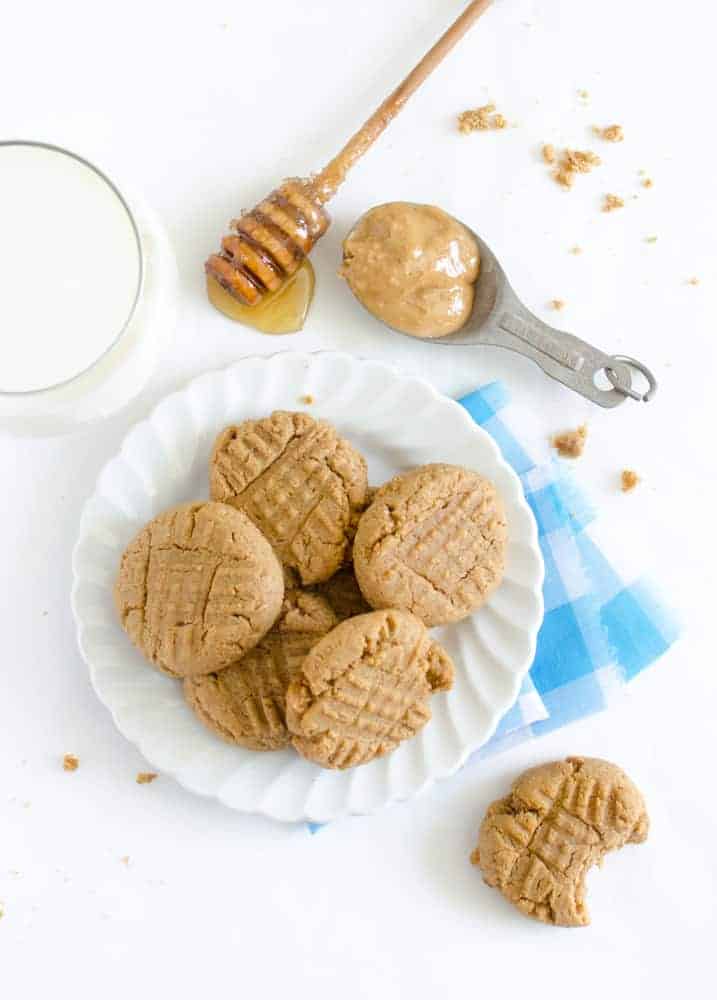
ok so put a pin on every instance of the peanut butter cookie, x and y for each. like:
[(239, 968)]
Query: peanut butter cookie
[(432, 542), (298, 481), (364, 688), (537, 844), (246, 703), (198, 587)]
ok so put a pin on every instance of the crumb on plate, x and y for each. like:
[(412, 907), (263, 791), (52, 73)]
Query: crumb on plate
[(610, 133), (70, 762), (693, 281), (125, 859), (576, 250), (611, 202), (583, 95), (145, 777), (548, 152), (571, 444), (628, 480), (557, 304), (307, 400), (481, 119)]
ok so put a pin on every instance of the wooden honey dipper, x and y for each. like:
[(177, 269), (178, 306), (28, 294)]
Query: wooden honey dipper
[(270, 242)]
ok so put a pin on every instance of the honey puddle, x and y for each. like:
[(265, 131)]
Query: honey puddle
[(283, 311)]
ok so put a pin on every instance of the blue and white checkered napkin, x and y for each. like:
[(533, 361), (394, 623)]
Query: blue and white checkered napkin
[(598, 631)]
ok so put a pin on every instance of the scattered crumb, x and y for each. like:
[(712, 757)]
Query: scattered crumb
[(571, 444), (557, 304), (306, 400), (648, 182), (145, 777), (611, 133), (628, 480), (548, 152), (583, 95), (70, 762), (576, 250), (611, 202), (580, 160), (693, 281), (564, 177), (125, 859), (574, 161), (650, 239), (481, 119)]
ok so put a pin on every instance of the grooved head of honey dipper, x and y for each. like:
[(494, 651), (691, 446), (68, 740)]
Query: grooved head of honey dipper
[(270, 243)]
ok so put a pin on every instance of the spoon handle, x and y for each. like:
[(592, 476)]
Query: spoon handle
[(565, 357)]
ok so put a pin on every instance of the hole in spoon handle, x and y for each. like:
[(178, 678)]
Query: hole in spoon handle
[(570, 360)]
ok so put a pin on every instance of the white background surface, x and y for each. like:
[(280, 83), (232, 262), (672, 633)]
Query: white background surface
[(204, 107)]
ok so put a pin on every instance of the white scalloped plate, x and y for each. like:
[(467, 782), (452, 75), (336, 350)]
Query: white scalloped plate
[(397, 422)]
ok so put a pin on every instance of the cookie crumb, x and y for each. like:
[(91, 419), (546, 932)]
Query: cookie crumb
[(610, 133), (648, 182), (581, 160), (628, 480), (125, 859), (548, 152), (583, 95), (307, 400), (557, 304), (145, 777), (576, 250), (693, 281), (481, 119), (574, 161), (70, 762), (611, 202), (565, 178), (571, 444)]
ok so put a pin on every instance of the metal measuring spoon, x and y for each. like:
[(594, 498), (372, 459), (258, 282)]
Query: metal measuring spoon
[(500, 319)]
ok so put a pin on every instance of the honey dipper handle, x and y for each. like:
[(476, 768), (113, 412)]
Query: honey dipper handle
[(325, 184)]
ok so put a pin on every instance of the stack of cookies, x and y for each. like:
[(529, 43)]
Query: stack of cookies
[(295, 604)]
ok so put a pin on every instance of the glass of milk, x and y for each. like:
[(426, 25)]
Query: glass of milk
[(88, 291)]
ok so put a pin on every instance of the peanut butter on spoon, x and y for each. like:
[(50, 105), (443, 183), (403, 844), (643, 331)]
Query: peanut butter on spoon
[(414, 267)]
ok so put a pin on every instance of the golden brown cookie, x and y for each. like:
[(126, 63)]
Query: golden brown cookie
[(364, 688), (198, 587), (298, 481), (344, 594), (537, 844), (432, 542), (246, 703)]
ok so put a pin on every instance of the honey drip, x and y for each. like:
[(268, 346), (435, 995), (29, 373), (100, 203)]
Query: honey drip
[(282, 311)]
